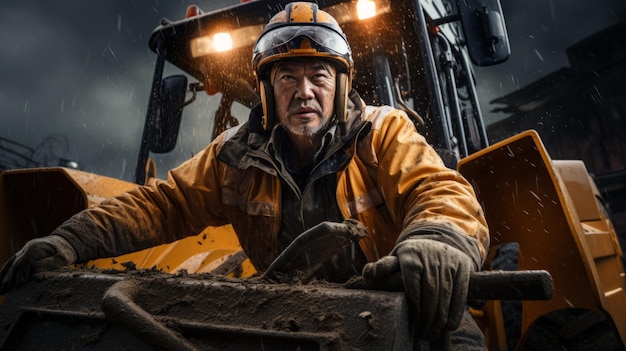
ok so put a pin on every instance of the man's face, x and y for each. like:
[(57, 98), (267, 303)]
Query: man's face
[(304, 91)]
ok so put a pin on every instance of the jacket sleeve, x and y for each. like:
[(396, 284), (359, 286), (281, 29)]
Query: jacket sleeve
[(153, 214), (432, 201)]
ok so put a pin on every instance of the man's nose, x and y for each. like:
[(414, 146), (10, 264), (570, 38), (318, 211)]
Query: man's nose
[(304, 89)]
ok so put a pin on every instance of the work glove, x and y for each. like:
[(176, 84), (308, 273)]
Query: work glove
[(38, 255), (435, 278)]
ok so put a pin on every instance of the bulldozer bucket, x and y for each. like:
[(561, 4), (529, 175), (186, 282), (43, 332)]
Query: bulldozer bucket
[(527, 200)]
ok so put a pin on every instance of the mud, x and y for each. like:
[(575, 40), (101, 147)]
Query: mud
[(207, 309)]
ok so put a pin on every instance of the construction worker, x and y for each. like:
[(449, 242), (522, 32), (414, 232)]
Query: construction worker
[(312, 151)]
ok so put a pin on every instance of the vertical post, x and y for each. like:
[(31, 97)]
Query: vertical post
[(456, 120), (151, 113), (437, 111), (480, 123)]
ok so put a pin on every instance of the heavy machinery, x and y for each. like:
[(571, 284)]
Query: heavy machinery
[(201, 292)]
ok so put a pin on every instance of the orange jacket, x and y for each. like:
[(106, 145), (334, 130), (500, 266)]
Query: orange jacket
[(394, 183)]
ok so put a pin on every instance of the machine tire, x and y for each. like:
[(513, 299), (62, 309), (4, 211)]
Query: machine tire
[(572, 329), (506, 259)]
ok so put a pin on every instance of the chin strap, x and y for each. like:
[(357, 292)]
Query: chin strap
[(341, 97), (267, 101)]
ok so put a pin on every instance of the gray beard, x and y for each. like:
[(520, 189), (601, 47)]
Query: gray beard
[(306, 131)]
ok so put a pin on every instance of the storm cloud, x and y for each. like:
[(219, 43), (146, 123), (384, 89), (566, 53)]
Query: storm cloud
[(540, 32)]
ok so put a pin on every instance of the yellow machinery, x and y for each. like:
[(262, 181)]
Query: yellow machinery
[(54, 194), (554, 212), (410, 55)]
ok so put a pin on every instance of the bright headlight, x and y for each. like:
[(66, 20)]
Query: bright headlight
[(366, 9), (222, 41)]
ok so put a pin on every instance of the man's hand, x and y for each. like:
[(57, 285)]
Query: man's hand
[(38, 255), (435, 278)]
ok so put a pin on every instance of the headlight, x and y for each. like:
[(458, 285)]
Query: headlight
[(365, 9), (223, 41)]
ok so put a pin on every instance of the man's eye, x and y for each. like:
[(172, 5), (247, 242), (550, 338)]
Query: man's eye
[(320, 77)]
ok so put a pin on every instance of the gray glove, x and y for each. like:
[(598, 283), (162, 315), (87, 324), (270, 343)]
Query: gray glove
[(435, 278), (38, 255)]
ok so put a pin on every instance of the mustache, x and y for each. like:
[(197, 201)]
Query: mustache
[(304, 105)]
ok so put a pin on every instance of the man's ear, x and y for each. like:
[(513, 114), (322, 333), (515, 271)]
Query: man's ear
[(267, 101), (341, 96)]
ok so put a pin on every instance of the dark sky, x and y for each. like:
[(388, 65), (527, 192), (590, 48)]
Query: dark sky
[(82, 70)]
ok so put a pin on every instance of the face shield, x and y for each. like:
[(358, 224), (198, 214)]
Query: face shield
[(302, 41)]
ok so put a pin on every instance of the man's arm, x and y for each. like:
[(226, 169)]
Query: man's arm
[(146, 216), (444, 234), (432, 201)]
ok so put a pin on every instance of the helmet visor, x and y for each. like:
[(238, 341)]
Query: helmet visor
[(288, 39)]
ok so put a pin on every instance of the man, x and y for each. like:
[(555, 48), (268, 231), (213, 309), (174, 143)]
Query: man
[(311, 152)]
